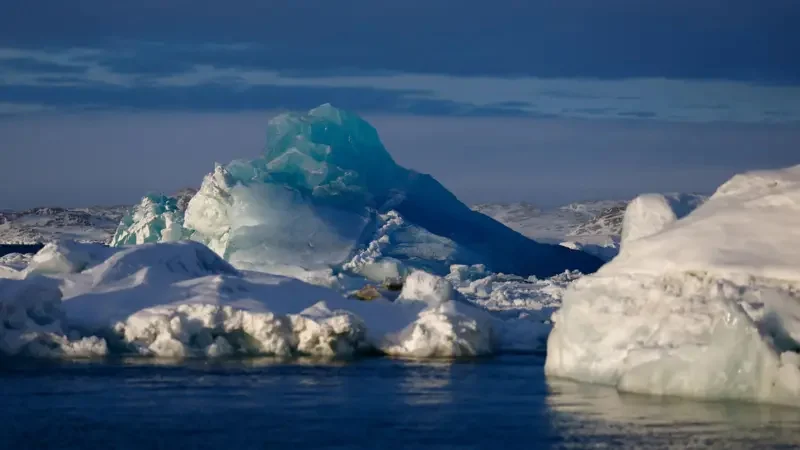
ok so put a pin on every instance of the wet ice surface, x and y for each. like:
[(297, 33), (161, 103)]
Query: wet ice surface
[(366, 403)]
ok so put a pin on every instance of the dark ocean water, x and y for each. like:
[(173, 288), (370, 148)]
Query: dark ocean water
[(498, 403), (5, 249)]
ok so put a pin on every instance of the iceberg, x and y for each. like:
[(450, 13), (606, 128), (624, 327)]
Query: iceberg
[(705, 306), (325, 196)]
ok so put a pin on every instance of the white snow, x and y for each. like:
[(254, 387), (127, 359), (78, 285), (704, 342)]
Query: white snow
[(707, 306), (648, 214), (427, 288), (67, 257)]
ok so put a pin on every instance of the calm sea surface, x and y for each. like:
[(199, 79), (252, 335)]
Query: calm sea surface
[(496, 403)]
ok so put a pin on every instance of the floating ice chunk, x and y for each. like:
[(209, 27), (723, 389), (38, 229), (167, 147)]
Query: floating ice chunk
[(707, 307), (157, 218), (447, 330), (323, 332)]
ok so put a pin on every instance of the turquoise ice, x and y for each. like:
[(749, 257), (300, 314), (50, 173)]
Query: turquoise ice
[(319, 195)]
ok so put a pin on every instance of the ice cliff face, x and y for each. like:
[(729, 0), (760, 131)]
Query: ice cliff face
[(314, 200)]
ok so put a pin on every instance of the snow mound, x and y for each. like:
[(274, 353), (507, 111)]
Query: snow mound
[(64, 257), (170, 261), (157, 218), (648, 214), (315, 199), (449, 329), (708, 307)]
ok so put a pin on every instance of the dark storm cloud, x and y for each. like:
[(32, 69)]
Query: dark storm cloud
[(732, 39), (221, 97)]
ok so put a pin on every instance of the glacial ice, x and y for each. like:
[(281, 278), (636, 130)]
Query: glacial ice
[(708, 306), (318, 199)]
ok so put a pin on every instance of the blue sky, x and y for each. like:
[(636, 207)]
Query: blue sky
[(543, 101)]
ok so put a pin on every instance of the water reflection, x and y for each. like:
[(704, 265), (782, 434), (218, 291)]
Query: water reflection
[(426, 383), (598, 413), (243, 362)]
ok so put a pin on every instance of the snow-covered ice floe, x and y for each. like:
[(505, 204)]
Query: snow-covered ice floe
[(181, 300), (705, 306)]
